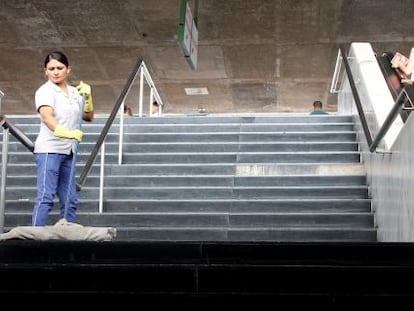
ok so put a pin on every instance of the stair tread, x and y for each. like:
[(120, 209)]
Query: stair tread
[(253, 162)]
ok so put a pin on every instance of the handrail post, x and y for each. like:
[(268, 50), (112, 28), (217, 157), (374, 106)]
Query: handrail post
[(141, 91), (1, 97), (5, 151), (101, 178), (121, 133), (152, 86), (151, 100)]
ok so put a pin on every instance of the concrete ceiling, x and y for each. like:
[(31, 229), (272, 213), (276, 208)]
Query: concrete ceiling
[(256, 56)]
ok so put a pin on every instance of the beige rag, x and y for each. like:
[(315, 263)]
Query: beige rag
[(62, 230)]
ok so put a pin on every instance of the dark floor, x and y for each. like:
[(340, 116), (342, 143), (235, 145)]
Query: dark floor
[(208, 272)]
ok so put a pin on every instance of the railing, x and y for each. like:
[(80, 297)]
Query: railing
[(140, 70), (342, 59), (9, 128), (394, 112), (144, 76), (337, 78), (393, 79), (1, 97)]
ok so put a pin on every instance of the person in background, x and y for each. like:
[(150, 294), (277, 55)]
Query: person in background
[(155, 110), (59, 107), (406, 68), (128, 110), (317, 108)]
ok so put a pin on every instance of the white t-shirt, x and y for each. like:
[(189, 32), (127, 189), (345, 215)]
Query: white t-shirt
[(66, 110)]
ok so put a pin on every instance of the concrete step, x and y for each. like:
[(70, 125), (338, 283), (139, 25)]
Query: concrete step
[(214, 178), (212, 157), (245, 235), (215, 192), (205, 119), (325, 205), (215, 220), (208, 147)]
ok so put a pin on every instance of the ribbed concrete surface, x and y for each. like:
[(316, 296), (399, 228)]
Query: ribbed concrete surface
[(279, 178)]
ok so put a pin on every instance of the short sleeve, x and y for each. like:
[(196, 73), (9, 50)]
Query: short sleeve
[(44, 96)]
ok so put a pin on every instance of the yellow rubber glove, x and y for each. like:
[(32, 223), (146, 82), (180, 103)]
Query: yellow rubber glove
[(85, 89), (63, 132)]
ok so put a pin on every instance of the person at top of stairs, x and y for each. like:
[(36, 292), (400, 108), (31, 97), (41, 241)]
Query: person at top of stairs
[(317, 108)]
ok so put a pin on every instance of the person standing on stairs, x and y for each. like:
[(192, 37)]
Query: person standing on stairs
[(155, 109), (317, 108), (58, 105)]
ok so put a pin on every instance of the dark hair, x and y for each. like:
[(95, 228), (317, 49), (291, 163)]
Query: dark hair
[(59, 56), (317, 103)]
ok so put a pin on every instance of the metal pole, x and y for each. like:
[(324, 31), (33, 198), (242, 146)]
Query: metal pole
[(121, 134), (4, 157), (141, 91), (75, 147), (1, 96), (389, 120), (151, 100), (357, 99), (101, 178), (337, 70)]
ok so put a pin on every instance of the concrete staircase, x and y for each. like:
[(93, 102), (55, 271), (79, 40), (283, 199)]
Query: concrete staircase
[(288, 178)]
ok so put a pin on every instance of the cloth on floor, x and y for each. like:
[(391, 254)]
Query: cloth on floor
[(62, 230)]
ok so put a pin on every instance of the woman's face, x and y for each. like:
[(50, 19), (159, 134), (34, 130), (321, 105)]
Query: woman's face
[(56, 72)]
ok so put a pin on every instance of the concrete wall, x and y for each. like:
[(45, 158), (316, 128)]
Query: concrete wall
[(390, 168)]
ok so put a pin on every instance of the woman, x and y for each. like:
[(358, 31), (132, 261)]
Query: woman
[(155, 111), (58, 105), (406, 67)]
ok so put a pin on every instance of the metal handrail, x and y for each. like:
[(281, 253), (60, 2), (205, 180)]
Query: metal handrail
[(4, 157), (9, 128), (85, 172), (336, 75), (354, 90), (16, 132), (395, 110), (1, 97), (144, 74), (141, 70)]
